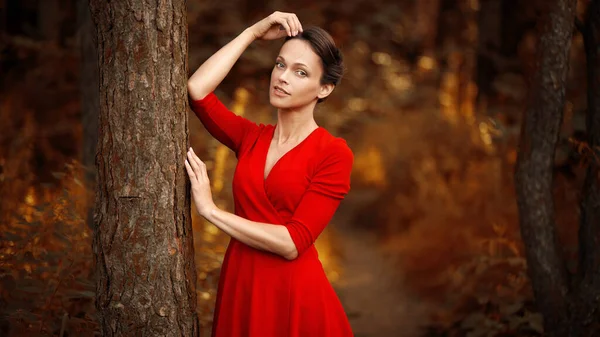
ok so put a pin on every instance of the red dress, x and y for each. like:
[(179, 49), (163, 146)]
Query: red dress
[(262, 294)]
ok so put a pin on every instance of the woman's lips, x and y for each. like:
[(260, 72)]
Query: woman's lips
[(279, 91)]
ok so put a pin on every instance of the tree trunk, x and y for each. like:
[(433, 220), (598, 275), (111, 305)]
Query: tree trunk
[(468, 70), (49, 19), (533, 175), (587, 322), (488, 44), (425, 29), (143, 247), (512, 26), (90, 99)]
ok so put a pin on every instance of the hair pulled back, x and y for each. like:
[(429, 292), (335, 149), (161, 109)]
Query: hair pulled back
[(331, 57)]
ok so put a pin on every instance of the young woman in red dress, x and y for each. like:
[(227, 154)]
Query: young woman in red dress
[(289, 180)]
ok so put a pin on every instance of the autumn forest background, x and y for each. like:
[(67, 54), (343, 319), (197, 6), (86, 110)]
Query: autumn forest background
[(428, 241)]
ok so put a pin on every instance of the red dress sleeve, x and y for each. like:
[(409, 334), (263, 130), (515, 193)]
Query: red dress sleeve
[(329, 185), (227, 127)]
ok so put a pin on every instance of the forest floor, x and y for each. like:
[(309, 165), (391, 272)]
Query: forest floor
[(371, 289)]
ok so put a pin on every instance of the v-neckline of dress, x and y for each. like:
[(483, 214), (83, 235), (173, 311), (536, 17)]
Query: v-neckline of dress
[(266, 152)]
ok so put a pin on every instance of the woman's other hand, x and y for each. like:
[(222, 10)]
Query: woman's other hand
[(276, 25), (201, 193)]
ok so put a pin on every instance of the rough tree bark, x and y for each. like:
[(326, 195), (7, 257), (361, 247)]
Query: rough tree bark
[(143, 248), (534, 169), (90, 97)]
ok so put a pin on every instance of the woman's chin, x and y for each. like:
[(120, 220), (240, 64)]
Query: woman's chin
[(285, 103), (277, 102)]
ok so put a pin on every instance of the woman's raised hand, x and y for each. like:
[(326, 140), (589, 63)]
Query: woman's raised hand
[(276, 25)]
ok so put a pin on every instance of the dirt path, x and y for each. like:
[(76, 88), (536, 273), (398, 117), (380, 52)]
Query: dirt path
[(370, 286)]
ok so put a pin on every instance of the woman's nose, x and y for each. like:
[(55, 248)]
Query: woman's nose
[(283, 76)]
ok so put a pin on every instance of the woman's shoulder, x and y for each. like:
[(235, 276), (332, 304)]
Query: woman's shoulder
[(331, 142), (334, 147)]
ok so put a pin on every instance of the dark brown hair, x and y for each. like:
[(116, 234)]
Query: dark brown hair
[(331, 57)]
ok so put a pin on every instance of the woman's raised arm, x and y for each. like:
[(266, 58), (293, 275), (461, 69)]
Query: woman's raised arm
[(212, 72), (227, 127)]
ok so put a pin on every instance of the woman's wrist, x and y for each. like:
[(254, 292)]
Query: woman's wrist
[(249, 34), (209, 212)]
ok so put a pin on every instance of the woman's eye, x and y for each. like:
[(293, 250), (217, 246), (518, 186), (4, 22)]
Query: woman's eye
[(302, 73), (279, 64)]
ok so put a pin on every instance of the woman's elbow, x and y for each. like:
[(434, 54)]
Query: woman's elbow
[(195, 90), (289, 251)]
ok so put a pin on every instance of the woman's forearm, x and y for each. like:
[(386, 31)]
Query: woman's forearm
[(268, 237), (212, 72)]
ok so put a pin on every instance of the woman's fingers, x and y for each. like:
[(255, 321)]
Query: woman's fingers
[(192, 162), (298, 24), (204, 173), (198, 165), (193, 167), (285, 25), (286, 21), (293, 27), (294, 23), (190, 170)]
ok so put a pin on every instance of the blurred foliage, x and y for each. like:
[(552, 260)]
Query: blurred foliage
[(430, 109), (46, 262)]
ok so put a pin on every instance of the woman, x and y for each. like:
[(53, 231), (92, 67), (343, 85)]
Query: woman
[(288, 183)]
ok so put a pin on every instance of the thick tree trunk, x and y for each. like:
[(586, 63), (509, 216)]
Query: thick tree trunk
[(533, 175), (90, 98), (586, 321), (143, 247)]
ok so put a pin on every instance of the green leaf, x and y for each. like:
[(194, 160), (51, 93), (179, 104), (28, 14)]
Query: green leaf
[(26, 315), (510, 308), (11, 237), (30, 289), (58, 175), (85, 282), (62, 237), (473, 320), (81, 294), (536, 322)]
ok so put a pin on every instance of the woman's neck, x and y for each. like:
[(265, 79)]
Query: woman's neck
[(294, 126)]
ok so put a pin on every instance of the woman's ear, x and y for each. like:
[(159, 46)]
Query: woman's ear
[(325, 90)]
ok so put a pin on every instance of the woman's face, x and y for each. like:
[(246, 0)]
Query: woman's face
[(296, 76)]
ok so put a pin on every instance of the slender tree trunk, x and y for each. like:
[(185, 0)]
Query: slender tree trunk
[(468, 71), (587, 322), (90, 98), (49, 19), (533, 175), (425, 31), (511, 26), (488, 44), (143, 247)]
